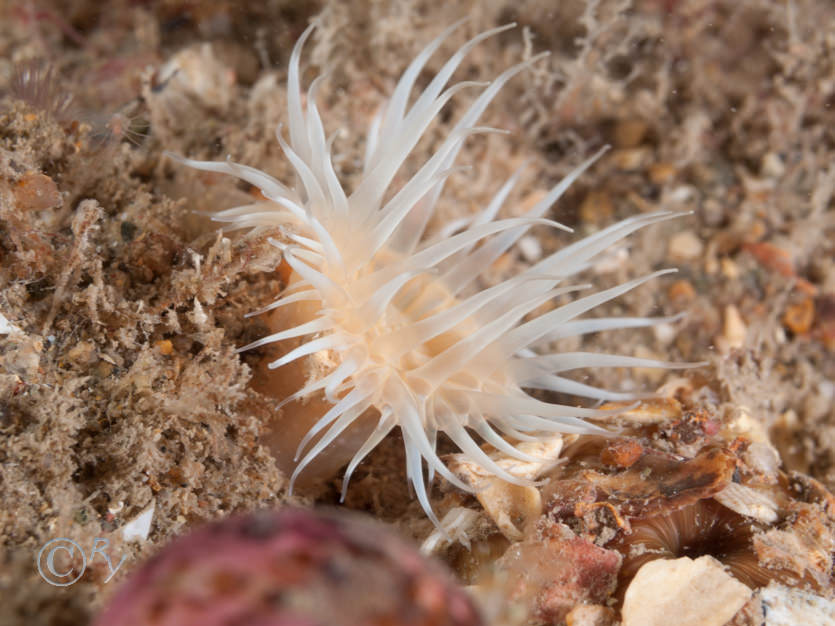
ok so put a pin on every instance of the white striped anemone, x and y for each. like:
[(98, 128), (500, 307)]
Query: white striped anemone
[(413, 336)]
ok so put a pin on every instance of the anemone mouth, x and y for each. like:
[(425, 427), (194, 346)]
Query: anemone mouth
[(412, 341)]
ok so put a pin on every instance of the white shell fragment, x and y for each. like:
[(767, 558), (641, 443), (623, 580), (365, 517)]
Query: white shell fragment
[(783, 606), (685, 592), (734, 331), (546, 452), (748, 501), (139, 527), (530, 248), (745, 425), (510, 506), (197, 315), (455, 526), (651, 411), (6, 327)]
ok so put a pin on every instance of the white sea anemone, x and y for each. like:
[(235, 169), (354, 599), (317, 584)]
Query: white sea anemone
[(411, 336)]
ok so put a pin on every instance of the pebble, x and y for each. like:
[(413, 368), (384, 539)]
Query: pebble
[(597, 207), (799, 317), (164, 347), (631, 159), (743, 424), (611, 260), (660, 173), (683, 194), (730, 270), (456, 526), (511, 507), (735, 329), (772, 165), (681, 292), (530, 248), (685, 246), (664, 333), (696, 592), (651, 411)]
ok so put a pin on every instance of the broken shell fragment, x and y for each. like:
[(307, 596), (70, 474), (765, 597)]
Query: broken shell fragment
[(650, 411), (456, 526), (748, 501), (511, 507)]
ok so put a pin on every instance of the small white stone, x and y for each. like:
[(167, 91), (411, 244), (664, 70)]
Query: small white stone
[(772, 165), (664, 333), (684, 592), (6, 327), (682, 194), (197, 315), (730, 270), (735, 330), (685, 246), (139, 527), (530, 248), (745, 425), (113, 510)]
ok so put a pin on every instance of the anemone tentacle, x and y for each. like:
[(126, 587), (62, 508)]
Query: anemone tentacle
[(413, 339)]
